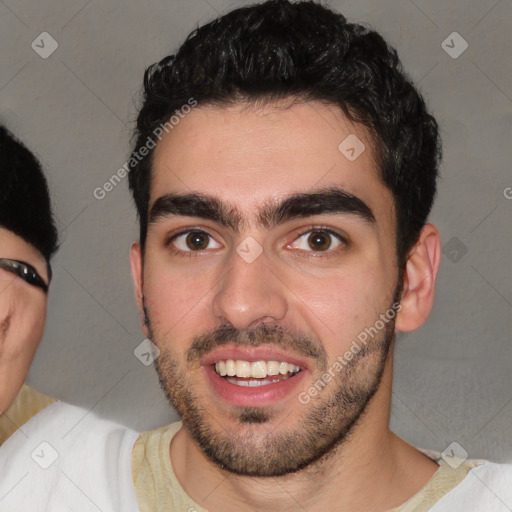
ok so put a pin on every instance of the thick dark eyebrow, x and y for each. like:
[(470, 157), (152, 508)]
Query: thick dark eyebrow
[(330, 201), (195, 205)]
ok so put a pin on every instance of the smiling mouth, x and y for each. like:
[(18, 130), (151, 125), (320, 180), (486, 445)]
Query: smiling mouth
[(255, 373)]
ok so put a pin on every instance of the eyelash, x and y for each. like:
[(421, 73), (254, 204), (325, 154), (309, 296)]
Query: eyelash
[(185, 231), (311, 229), (321, 229)]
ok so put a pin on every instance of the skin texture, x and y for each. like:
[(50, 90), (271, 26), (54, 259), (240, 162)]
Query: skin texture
[(248, 158), (22, 316)]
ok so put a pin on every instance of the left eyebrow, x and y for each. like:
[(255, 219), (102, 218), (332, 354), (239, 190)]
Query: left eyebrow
[(330, 200), (326, 201)]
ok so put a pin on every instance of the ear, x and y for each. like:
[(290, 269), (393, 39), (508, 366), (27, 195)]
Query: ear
[(420, 280), (137, 269)]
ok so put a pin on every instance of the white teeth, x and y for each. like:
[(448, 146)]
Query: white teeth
[(230, 368), (249, 383), (259, 369), (256, 369), (273, 368), (243, 368)]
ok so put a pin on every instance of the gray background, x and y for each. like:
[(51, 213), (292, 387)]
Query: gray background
[(76, 110)]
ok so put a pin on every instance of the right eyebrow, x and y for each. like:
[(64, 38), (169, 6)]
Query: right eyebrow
[(195, 205)]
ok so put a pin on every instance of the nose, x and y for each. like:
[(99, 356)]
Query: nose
[(250, 293)]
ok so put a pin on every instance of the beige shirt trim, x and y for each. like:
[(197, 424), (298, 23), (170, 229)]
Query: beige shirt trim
[(158, 489), (27, 404), (156, 485), (442, 482)]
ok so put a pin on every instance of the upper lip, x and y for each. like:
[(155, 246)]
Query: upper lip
[(252, 354)]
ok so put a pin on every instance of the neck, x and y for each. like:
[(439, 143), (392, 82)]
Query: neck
[(372, 469)]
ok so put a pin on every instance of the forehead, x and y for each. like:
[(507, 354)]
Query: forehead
[(250, 155)]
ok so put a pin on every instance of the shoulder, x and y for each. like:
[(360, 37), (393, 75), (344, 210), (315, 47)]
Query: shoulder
[(153, 439), (65, 456), (150, 455), (487, 486), (156, 485), (27, 404)]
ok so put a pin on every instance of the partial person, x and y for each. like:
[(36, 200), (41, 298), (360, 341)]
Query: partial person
[(28, 239), (38, 458)]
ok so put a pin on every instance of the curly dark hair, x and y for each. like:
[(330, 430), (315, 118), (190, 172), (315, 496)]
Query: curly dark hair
[(304, 51), (25, 207)]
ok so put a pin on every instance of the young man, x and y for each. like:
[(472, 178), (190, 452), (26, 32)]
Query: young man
[(283, 241), (283, 173), (40, 467)]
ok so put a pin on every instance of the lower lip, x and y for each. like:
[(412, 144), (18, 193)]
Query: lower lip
[(258, 396)]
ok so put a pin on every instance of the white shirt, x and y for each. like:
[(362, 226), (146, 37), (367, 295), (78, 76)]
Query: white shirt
[(486, 488), (66, 459)]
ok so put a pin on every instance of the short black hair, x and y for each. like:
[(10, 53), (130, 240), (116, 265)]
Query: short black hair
[(304, 51), (25, 207)]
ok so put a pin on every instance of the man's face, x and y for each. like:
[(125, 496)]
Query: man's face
[(22, 316), (267, 246)]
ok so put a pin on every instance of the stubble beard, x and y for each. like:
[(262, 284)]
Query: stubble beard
[(257, 449)]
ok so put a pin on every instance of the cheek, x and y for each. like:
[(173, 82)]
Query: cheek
[(22, 321), (176, 300), (340, 308), (18, 347), (27, 330)]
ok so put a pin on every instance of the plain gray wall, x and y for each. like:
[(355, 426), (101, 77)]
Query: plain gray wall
[(76, 109)]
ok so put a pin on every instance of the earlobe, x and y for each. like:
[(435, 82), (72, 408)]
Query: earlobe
[(420, 276), (137, 276)]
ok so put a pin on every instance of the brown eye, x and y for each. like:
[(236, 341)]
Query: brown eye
[(197, 240), (319, 241)]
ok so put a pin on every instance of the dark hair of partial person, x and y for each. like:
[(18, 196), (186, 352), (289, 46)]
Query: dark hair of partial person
[(305, 52), (25, 207)]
